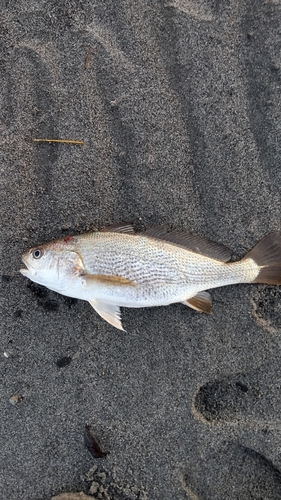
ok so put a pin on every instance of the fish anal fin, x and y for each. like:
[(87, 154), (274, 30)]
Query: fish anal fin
[(201, 302), (107, 279), (191, 242), (110, 312), (125, 227)]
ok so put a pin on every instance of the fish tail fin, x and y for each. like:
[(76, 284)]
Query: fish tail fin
[(267, 255)]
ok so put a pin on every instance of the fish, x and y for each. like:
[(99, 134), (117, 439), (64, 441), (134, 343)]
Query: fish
[(117, 267)]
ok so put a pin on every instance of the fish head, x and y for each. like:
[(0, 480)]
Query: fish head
[(52, 265)]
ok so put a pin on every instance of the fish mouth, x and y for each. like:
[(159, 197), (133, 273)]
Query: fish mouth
[(26, 271)]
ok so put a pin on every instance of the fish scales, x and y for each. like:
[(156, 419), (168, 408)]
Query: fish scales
[(114, 268), (157, 263)]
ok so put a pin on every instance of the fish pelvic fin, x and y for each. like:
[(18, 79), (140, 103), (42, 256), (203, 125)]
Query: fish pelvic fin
[(109, 312), (267, 255), (201, 302)]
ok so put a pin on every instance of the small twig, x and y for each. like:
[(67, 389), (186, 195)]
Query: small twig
[(65, 141), (87, 60)]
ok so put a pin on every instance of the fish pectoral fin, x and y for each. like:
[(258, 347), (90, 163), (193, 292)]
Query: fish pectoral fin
[(201, 302), (109, 312), (107, 279)]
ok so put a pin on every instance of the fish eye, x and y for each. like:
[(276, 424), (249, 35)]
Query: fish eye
[(37, 254)]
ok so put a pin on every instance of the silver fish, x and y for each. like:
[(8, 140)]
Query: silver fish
[(116, 268)]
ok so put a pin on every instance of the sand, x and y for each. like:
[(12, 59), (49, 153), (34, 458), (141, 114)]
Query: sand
[(178, 105)]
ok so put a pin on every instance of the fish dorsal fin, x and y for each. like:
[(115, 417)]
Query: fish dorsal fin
[(119, 228), (201, 302), (109, 312), (191, 242)]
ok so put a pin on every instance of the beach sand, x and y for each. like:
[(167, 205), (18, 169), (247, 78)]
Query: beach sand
[(178, 105)]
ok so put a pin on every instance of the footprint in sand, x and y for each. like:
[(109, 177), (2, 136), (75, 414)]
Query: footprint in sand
[(250, 400), (237, 473), (267, 307)]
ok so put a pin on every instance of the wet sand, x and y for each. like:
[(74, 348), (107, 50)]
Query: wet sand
[(178, 105)]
